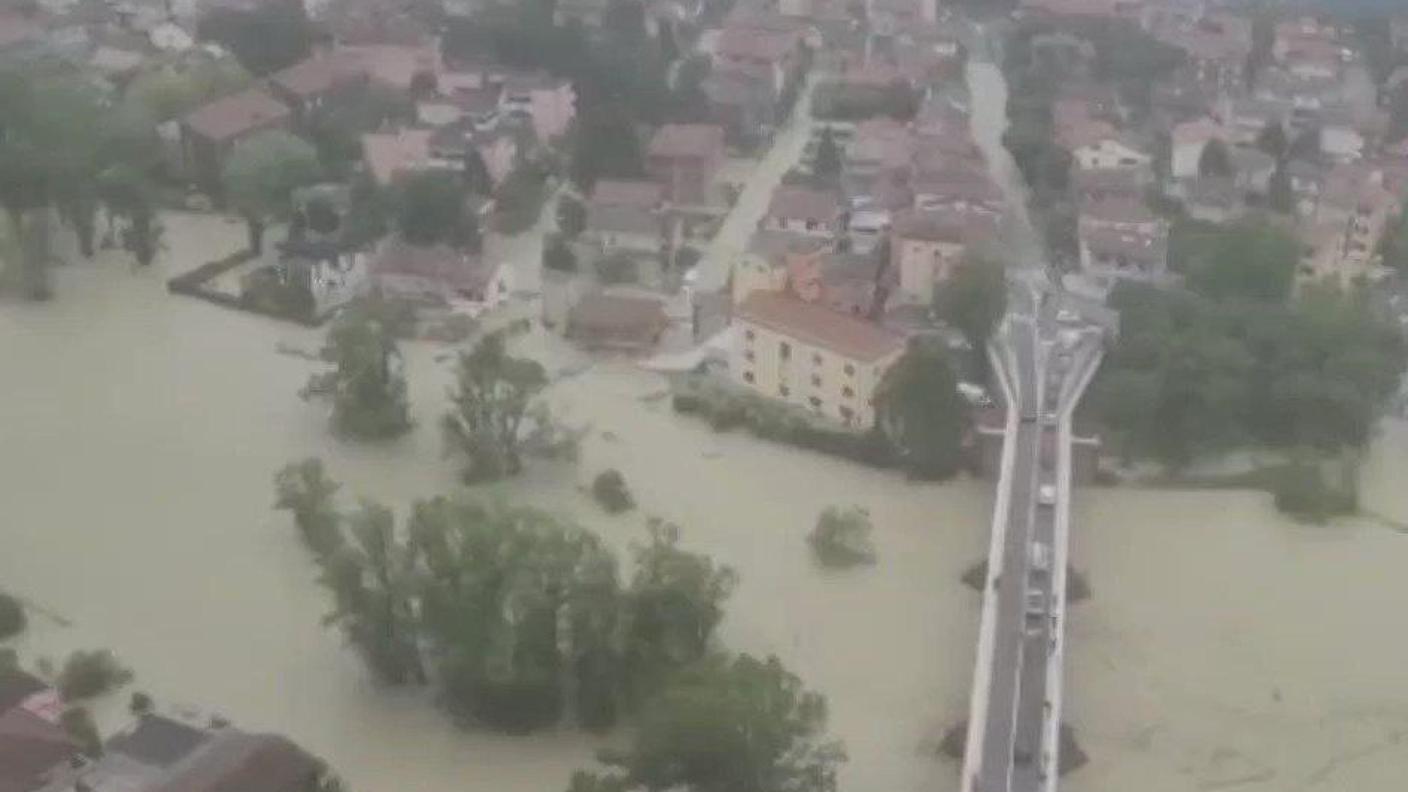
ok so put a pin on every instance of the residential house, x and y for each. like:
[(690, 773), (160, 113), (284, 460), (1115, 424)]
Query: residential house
[(1340, 137), (926, 248), (622, 320), (851, 283), (1217, 47), (685, 158), (805, 211), (477, 105), (776, 53), (881, 145), (1110, 151), (331, 273), (390, 156), (454, 143), (33, 746), (773, 260), (307, 85), (743, 103), (1307, 48), (405, 68), (630, 217), (548, 102), (812, 356), (1252, 169), (1125, 184), (210, 132), (440, 276), (1213, 199), (1122, 241), (959, 188), (1349, 223), (1246, 119), (1189, 140)]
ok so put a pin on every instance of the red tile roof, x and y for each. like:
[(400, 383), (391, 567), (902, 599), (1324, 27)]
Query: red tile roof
[(452, 268), (803, 203), (687, 140), (318, 74), (755, 44), (640, 194), (237, 114), (819, 326)]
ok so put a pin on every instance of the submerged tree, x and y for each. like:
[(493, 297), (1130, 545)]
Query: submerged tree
[(261, 174), (727, 725), (841, 538), (493, 395), (367, 387), (305, 490), (373, 583), (974, 300)]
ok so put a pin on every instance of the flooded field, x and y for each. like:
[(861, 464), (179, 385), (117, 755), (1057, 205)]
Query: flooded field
[(138, 435)]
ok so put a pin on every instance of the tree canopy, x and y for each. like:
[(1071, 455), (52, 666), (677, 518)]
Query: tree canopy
[(271, 36), (1191, 375), (973, 300), (431, 211), (491, 401), (261, 174), (1252, 260), (920, 410), (728, 724), (367, 385)]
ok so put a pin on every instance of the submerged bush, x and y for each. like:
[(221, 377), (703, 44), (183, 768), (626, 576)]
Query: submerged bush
[(12, 618), (611, 492), (841, 538)]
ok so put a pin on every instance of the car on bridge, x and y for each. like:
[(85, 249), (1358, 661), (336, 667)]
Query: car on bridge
[(1046, 495)]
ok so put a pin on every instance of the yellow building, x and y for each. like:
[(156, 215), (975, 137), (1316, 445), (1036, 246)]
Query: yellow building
[(809, 355)]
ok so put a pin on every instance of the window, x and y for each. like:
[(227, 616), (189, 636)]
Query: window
[(850, 370), (748, 355), (748, 334), (816, 360), (847, 392), (847, 413), (815, 402), (816, 380), (784, 390), (784, 350), (748, 377)]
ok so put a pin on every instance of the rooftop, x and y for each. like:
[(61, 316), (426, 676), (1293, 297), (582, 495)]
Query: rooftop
[(389, 154), (628, 192), (687, 140), (318, 74), (453, 268), (228, 118), (803, 203), (819, 326)]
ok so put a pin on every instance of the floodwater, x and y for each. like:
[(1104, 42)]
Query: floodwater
[(138, 435)]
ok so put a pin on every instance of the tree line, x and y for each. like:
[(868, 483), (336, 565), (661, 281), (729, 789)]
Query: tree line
[(523, 620)]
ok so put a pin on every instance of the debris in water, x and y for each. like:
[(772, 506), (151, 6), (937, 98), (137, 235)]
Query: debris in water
[(609, 436), (655, 396)]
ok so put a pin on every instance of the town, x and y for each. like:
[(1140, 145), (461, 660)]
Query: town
[(634, 374)]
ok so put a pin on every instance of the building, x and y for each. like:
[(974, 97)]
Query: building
[(34, 748), (1110, 151), (805, 211), (330, 273), (440, 276), (630, 217), (404, 68), (685, 158), (743, 103), (454, 143), (210, 132), (1343, 234), (809, 355), (1189, 140), (774, 53), (1122, 241), (548, 102), (621, 320), (306, 86), (926, 247)]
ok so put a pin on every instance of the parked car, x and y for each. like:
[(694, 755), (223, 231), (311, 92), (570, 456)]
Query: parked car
[(1046, 495)]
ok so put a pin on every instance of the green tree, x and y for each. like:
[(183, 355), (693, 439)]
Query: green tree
[(261, 174), (1279, 195), (78, 723), (571, 216), (165, 89), (266, 38), (1272, 140), (920, 410), (1250, 260), (49, 141), (1123, 399), (727, 725), (12, 616), (493, 395), (605, 145), (828, 164), (610, 490), (1215, 160), (673, 606), (373, 583), (431, 211), (367, 385), (88, 674), (973, 300), (304, 489)]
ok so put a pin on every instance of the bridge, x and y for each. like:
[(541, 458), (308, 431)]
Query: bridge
[(1042, 358)]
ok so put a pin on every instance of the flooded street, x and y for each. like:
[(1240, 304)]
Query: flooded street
[(138, 438)]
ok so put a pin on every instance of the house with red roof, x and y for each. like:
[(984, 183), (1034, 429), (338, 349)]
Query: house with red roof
[(308, 84), (209, 132), (685, 159)]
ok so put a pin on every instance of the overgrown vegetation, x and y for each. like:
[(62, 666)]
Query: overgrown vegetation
[(12, 616), (920, 411), (841, 538), (304, 489)]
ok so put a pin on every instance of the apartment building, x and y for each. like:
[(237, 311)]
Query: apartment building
[(812, 356)]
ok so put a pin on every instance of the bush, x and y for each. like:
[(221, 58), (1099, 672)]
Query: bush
[(611, 492), (841, 538), (515, 706), (88, 674), (140, 704), (12, 618)]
